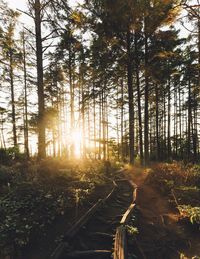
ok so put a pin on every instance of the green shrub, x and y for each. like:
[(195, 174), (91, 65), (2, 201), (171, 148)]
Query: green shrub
[(25, 212), (193, 213), (5, 175)]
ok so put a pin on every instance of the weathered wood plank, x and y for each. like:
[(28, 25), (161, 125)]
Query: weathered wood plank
[(120, 246), (81, 222), (60, 249), (127, 214)]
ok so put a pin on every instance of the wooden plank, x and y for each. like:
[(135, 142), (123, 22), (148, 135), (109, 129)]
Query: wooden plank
[(135, 192), (127, 214), (110, 195), (84, 219), (81, 222), (60, 249), (120, 246)]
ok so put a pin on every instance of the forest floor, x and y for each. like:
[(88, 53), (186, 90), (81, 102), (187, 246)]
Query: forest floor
[(162, 233), (43, 199), (44, 246)]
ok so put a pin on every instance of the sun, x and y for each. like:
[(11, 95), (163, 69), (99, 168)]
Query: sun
[(77, 142)]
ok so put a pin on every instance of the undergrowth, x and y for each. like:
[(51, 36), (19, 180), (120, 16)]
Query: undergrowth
[(34, 194), (184, 180)]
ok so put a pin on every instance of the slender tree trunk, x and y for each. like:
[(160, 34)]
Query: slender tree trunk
[(107, 130), (165, 128), (71, 100), (94, 121), (169, 122), (180, 120), (83, 114), (117, 122), (40, 84), (100, 123), (130, 99), (122, 120), (138, 98), (195, 133), (26, 138), (103, 123), (189, 121), (157, 125), (146, 96), (88, 122), (2, 132), (13, 99)]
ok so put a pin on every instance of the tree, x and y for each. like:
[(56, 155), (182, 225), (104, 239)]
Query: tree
[(11, 59)]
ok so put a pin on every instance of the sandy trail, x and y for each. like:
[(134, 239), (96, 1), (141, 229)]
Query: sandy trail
[(161, 235)]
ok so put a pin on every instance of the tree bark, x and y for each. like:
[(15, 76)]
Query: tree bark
[(122, 119), (130, 99), (40, 83), (71, 101), (26, 137), (169, 122), (157, 125), (146, 96), (12, 98), (138, 98)]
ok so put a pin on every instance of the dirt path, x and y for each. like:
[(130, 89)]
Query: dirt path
[(161, 235)]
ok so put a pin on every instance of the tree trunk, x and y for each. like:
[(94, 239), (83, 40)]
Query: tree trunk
[(180, 120), (169, 122), (83, 113), (13, 99), (40, 84), (138, 99), (146, 96), (122, 120), (100, 124), (26, 138), (103, 123), (157, 125), (130, 99), (94, 121), (71, 102), (189, 120)]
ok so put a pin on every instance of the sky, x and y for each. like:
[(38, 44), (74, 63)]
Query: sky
[(21, 5)]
